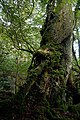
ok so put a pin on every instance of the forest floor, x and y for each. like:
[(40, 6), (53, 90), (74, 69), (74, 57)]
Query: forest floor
[(72, 113), (58, 114)]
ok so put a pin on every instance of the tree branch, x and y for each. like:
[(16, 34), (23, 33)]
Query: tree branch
[(30, 51), (74, 53)]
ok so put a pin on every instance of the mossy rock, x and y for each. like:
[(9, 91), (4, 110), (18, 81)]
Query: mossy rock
[(75, 109)]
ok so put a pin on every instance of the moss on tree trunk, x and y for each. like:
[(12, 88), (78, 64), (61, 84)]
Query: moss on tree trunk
[(51, 65)]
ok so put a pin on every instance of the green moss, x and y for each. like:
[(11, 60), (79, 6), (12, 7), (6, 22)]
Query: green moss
[(75, 109)]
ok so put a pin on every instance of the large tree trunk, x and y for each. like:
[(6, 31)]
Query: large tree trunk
[(51, 64)]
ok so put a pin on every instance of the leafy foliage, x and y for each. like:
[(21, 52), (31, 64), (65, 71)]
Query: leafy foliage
[(20, 22)]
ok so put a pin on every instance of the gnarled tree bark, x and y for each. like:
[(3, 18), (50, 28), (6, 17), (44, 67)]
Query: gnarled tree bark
[(51, 64)]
